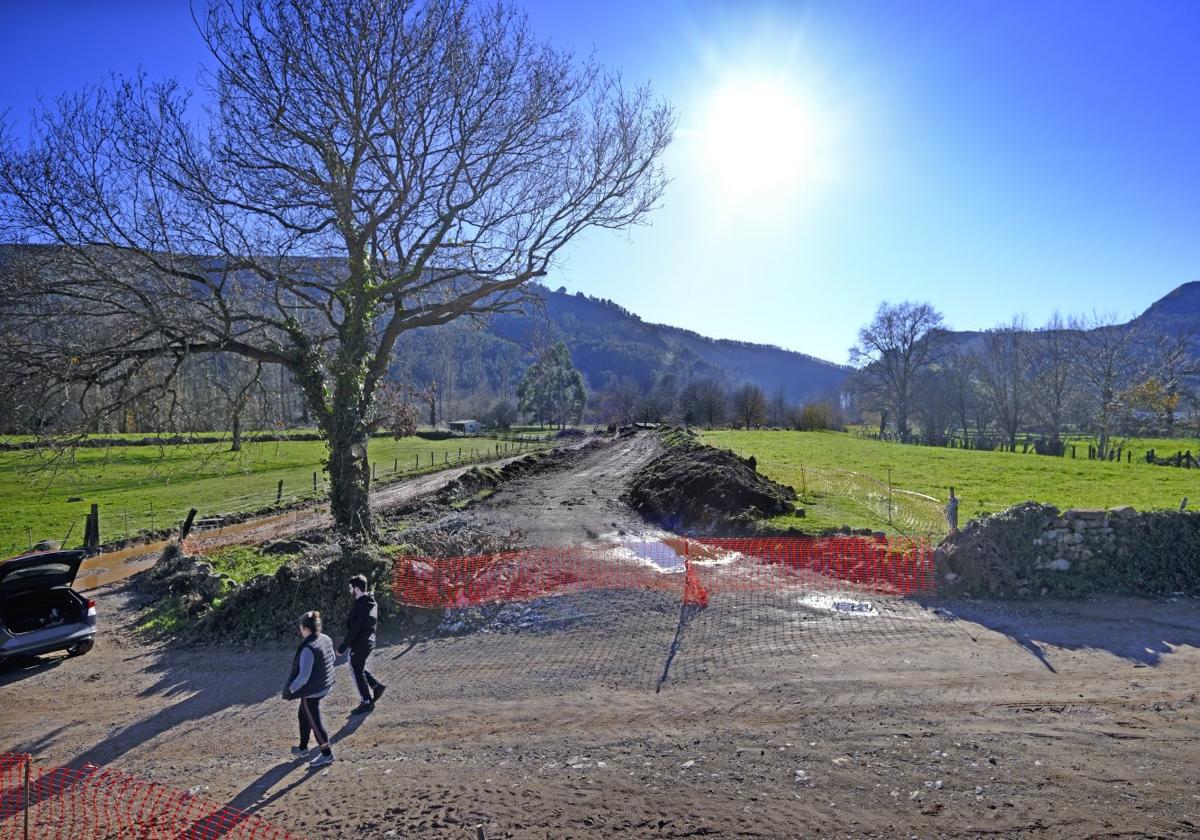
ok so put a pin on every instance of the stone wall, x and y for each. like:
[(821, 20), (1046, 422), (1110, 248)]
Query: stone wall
[(1032, 550), (1080, 534)]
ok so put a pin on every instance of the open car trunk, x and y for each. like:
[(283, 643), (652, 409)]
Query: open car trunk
[(26, 612)]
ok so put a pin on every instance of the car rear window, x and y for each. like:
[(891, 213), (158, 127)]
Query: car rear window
[(39, 571)]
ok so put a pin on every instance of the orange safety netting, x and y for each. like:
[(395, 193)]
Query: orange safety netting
[(696, 568), (95, 803)]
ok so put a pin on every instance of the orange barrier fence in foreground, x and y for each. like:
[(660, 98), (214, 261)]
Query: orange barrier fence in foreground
[(94, 803), (696, 568)]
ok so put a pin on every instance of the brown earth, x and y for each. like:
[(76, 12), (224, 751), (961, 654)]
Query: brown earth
[(782, 716)]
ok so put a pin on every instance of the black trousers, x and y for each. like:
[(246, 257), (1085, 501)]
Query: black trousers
[(363, 678), (310, 722)]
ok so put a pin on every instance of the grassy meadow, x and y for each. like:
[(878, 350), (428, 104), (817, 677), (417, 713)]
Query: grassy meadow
[(46, 494), (985, 482)]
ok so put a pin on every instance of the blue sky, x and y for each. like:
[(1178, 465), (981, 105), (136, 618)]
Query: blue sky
[(993, 158)]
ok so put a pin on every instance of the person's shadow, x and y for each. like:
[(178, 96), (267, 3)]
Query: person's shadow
[(246, 804)]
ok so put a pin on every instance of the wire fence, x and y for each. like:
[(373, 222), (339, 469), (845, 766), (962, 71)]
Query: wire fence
[(131, 522), (908, 512), (695, 569), (94, 803)]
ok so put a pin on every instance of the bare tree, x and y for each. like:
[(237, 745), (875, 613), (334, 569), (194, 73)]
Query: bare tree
[(1003, 370), (1052, 367), (618, 402), (899, 343), (702, 402), (962, 390), (364, 169), (749, 405), (1173, 363), (1106, 349)]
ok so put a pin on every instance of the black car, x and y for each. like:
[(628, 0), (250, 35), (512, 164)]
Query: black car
[(39, 611)]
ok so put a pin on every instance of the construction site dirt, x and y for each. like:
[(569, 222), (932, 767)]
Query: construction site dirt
[(828, 712)]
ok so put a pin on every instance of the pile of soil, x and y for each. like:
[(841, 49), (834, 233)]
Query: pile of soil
[(188, 580), (700, 489), (993, 555), (266, 606)]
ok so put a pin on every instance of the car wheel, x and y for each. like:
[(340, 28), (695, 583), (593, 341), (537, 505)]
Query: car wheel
[(81, 648)]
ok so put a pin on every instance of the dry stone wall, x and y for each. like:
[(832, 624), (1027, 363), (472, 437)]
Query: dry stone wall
[(1032, 550)]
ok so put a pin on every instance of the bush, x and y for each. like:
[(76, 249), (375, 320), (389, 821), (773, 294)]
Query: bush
[(501, 415)]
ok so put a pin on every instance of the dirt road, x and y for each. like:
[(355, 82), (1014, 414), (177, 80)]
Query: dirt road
[(783, 715), (574, 504)]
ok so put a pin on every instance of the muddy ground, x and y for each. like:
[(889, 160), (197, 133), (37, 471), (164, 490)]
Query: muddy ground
[(782, 716)]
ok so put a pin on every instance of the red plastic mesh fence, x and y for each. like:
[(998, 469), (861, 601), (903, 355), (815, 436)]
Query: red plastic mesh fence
[(95, 803), (697, 569)]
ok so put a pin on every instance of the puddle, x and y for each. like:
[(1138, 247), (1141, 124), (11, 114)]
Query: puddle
[(668, 553), (842, 605), (656, 553)]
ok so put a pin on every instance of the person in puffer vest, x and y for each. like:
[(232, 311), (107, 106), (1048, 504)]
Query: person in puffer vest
[(311, 679)]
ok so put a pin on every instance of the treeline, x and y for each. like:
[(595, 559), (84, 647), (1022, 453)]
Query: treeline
[(711, 402), (918, 382)]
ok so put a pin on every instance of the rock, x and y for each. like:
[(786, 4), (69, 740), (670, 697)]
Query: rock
[(1085, 514), (47, 545), (1122, 512), (285, 547)]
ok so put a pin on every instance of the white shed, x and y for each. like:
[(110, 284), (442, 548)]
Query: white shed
[(465, 427)]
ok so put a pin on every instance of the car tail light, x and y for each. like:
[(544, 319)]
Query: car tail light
[(91, 608)]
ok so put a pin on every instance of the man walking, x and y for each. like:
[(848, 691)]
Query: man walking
[(360, 641)]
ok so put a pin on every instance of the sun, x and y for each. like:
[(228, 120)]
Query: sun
[(761, 141)]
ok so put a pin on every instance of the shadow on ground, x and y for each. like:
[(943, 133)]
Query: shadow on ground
[(1137, 630)]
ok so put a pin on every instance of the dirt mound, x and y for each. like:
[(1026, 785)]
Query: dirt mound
[(701, 489), (188, 581), (993, 555)]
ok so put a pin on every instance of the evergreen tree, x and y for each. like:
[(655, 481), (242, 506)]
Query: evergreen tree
[(552, 390)]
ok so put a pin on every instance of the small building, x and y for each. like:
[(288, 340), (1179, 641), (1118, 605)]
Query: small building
[(465, 427)]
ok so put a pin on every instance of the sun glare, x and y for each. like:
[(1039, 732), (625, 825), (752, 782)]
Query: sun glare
[(761, 141)]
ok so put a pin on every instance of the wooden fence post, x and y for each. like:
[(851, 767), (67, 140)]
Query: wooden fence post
[(95, 543), (187, 525), (314, 483), (279, 492)]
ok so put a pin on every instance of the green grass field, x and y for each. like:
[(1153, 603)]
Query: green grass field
[(985, 482), (44, 494)]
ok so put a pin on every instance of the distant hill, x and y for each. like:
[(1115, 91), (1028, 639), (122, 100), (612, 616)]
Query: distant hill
[(1176, 313), (608, 342)]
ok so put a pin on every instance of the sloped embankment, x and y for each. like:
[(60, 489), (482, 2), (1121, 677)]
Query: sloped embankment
[(697, 488)]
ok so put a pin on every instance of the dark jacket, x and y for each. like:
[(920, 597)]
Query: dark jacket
[(312, 669), (360, 626)]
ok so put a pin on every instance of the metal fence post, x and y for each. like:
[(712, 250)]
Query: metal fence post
[(25, 801), (889, 495)]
